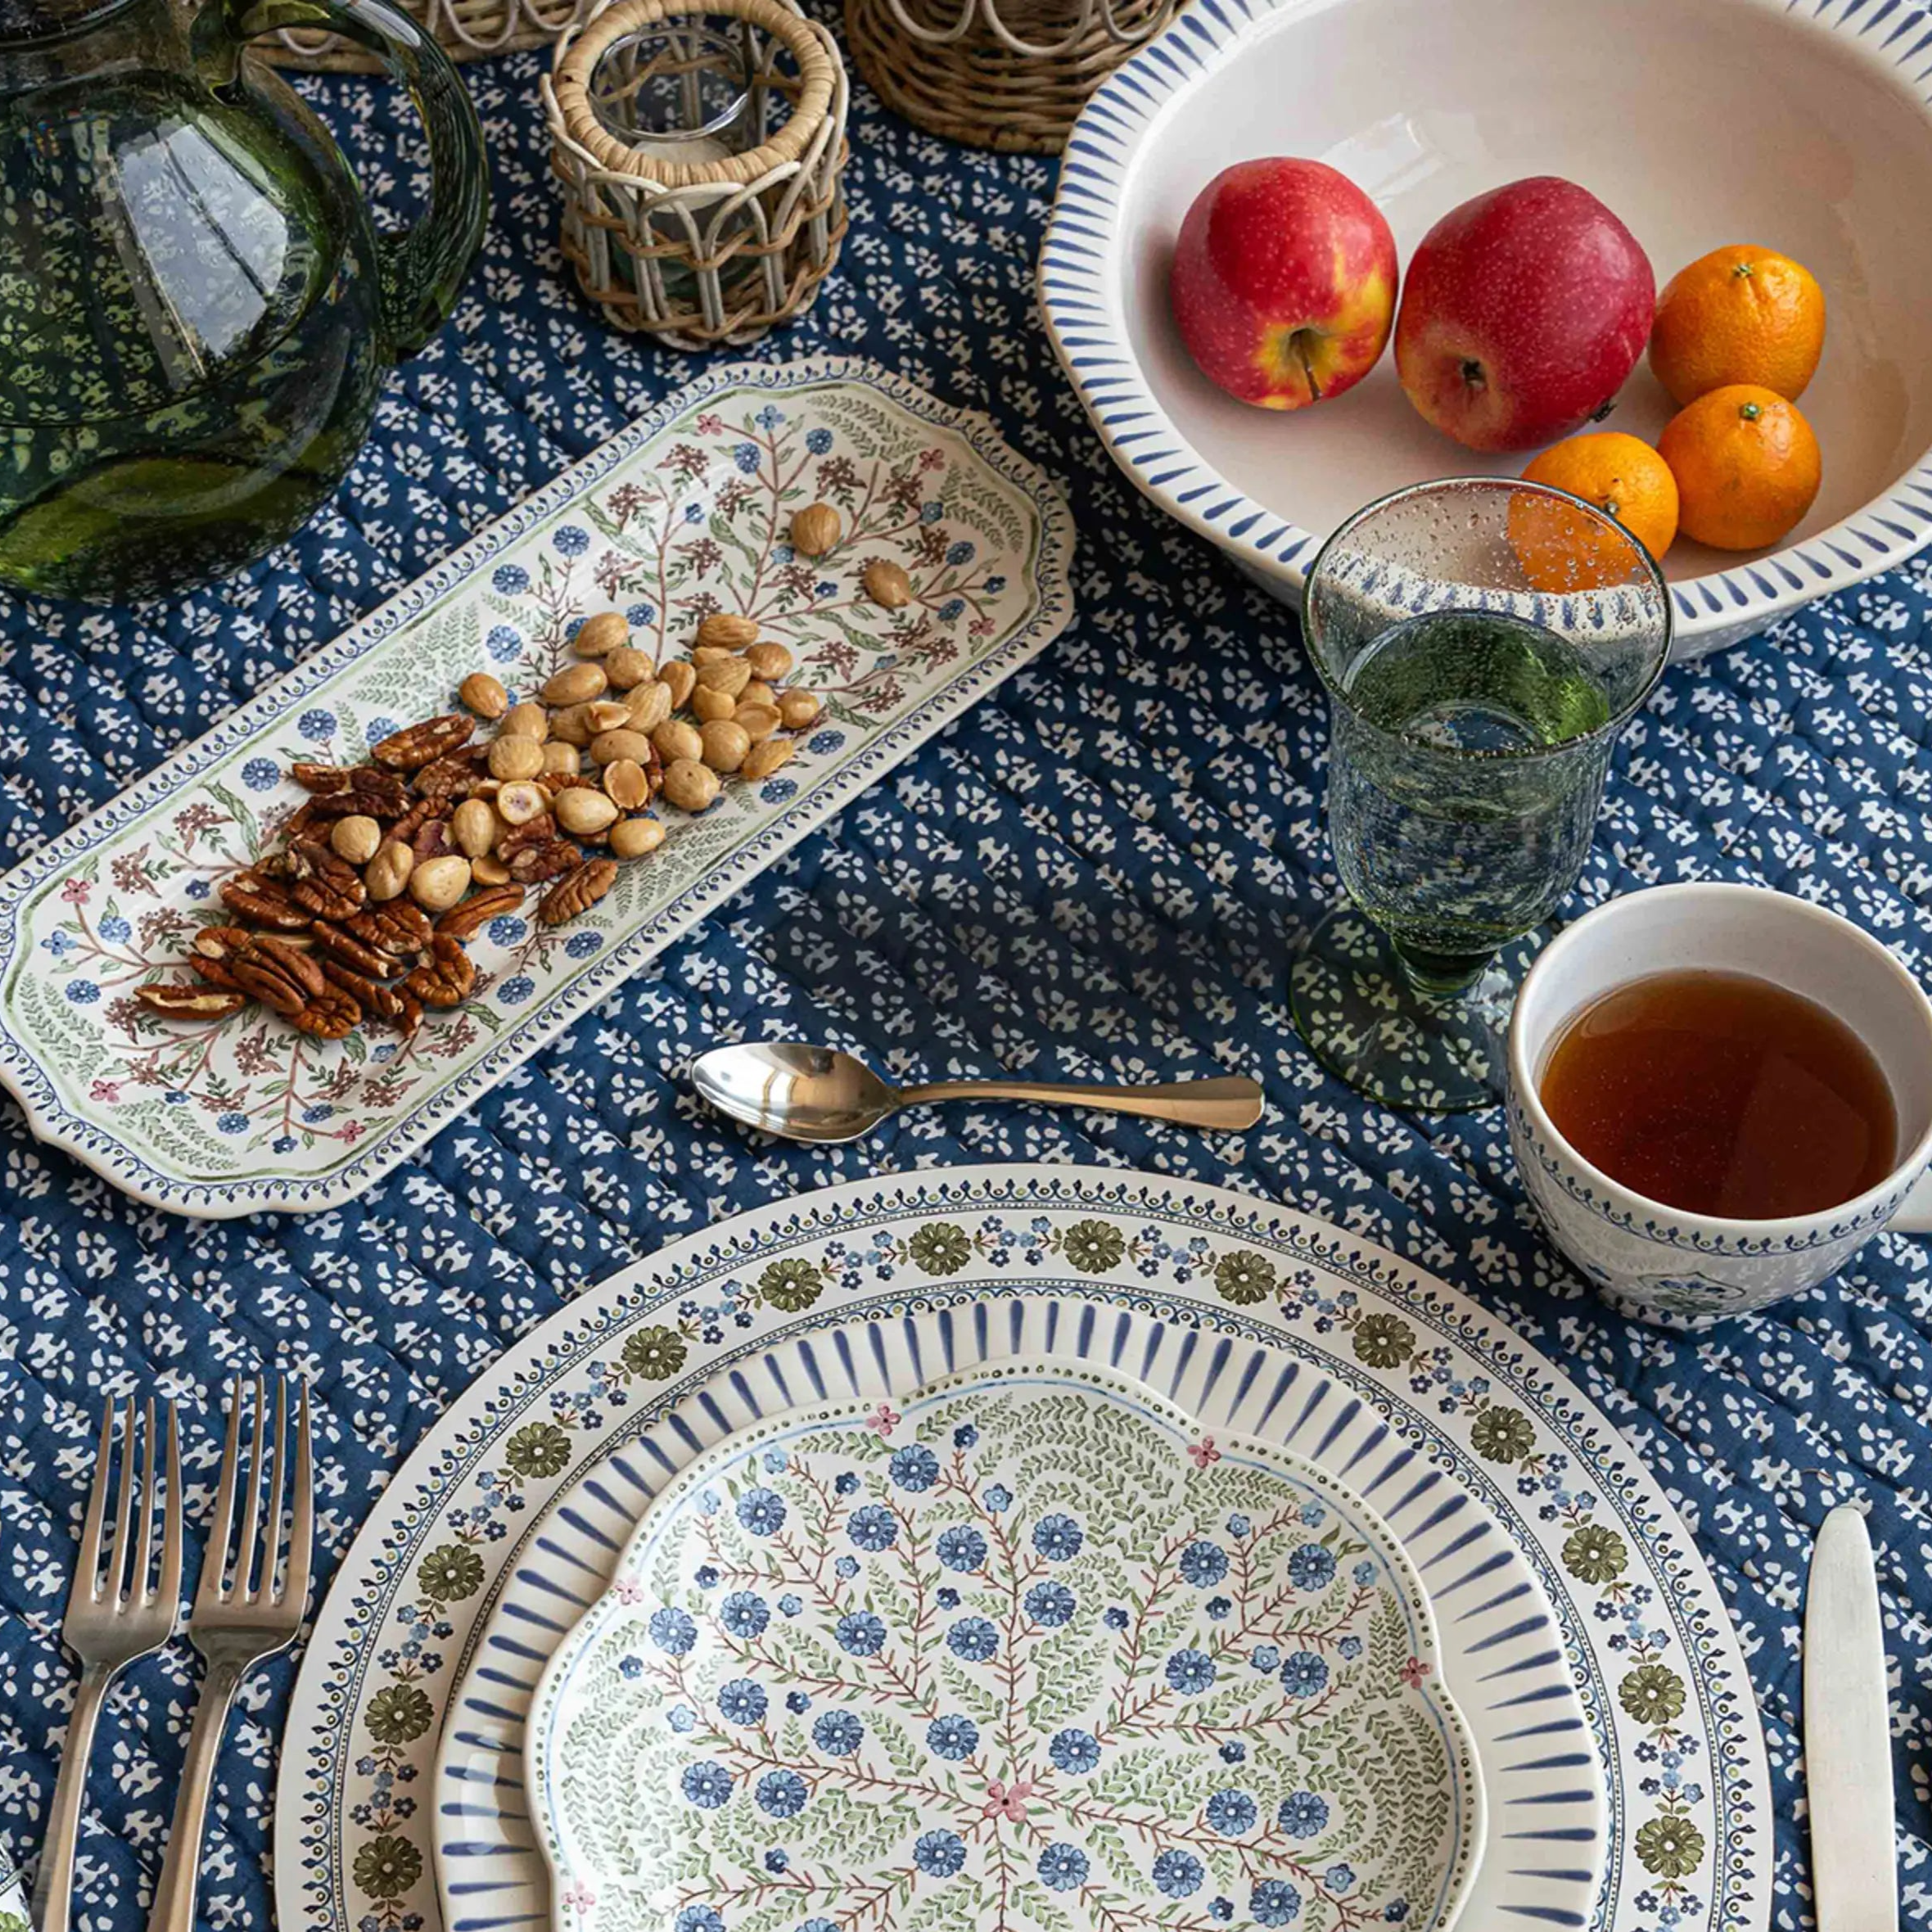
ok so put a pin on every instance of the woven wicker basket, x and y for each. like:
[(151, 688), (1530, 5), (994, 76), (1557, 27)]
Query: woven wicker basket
[(465, 31), (716, 251), (1011, 75)]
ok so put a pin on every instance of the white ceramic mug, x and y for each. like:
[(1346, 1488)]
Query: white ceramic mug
[(1658, 1262)]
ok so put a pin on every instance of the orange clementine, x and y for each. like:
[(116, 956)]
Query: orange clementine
[(1739, 315), (1747, 467), (1560, 547)]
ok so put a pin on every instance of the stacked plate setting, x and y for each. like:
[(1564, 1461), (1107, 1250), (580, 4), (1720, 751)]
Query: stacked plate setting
[(1033, 1546)]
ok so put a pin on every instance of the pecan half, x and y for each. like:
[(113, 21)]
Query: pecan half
[(475, 912), (182, 999), (418, 745), (330, 1015), (413, 821), (216, 972), (222, 942), (536, 863), (383, 1002), (251, 895), (328, 886), (338, 942), (319, 778), (379, 794), (577, 893), (278, 975), (541, 830), (449, 776), (398, 925), (445, 977)]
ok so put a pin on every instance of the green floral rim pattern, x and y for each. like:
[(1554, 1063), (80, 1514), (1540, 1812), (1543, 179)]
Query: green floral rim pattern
[(1690, 1766)]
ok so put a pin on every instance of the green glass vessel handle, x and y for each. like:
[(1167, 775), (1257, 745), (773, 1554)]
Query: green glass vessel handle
[(422, 271)]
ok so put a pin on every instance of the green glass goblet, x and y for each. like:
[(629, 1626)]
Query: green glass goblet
[(1483, 642)]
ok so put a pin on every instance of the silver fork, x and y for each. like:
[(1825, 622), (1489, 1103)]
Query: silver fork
[(116, 1613), (238, 1618)]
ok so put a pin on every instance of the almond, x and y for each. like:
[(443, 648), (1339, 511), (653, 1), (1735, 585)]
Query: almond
[(727, 631), (816, 529), (598, 636), (887, 583)]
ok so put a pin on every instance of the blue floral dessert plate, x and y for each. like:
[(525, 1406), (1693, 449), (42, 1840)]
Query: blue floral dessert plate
[(1031, 1649)]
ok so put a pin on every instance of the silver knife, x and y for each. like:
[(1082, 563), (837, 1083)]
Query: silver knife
[(1848, 1735)]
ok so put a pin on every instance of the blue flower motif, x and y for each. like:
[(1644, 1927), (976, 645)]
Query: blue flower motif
[(316, 1115), (1189, 1672), (1062, 1867), (1058, 1537), (707, 1786), (1218, 1607), (777, 1859), (861, 1633), (838, 1734), (797, 1702), (1239, 1526), (931, 512), (780, 1793), (775, 1462), (174, 1097), (974, 1639), (822, 744), (914, 1467), (631, 1667), (818, 441), (1232, 1812), (1265, 1658), (196, 888), (673, 1630), (697, 1918), (1396, 1910), (995, 585), (960, 1549), (741, 1701), (939, 1854), (1313, 1514), (1221, 1910), (1275, 1901), (506, 929), (694, 512), (947, 1597), (1338, 1878), (777, 791), (952, 610), (745, 456), (378, 729), (761, 1511), (705, 1576), (1312, 1568), (789, 1605), (960, 554), (84, 992), (1350, 1648), (504, 644), (59, 944), (873, 1526), (572, 539), (770, 417), (1074, 1750), (744, 1613), (317, 724), (1115, 1618), (1303, 1674), (232, 1123), (965, 1436), (681, 1717), (517, 989), (509, 580), (953, 1737), (636, 616), (1049, 1605), (1203, 1564), (1364, 1572), (580, 946), (283, 1144), (845, 1483), (998, 1497), (1179, 1874), (1232, 1751), (846, 1567)]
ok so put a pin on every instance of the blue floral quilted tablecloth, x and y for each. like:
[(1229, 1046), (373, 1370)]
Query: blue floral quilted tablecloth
[(1101, 872)]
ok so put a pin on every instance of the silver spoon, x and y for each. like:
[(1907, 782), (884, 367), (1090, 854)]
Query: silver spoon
[(813, 1093)]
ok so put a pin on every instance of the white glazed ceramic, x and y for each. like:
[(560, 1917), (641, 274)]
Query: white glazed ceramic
[(1030, 1641), (1494, 1617), (1251, 1316), (1655, 1260), (686, 511), (1699, 122)]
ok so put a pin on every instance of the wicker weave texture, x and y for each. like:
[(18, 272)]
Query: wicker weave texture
[(465, 30)]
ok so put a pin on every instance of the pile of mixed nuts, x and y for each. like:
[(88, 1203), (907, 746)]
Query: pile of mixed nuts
[(388, 868)]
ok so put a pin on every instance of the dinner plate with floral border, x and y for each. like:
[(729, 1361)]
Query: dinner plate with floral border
[(1028, 1645), (1231, 1285), (1501, 1659)]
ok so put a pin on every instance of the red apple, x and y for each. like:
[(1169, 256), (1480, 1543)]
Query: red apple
[(1284, 282), (1524, 311)]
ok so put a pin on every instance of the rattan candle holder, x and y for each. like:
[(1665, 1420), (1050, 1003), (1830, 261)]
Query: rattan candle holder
[(711, 230), (1011, 75)]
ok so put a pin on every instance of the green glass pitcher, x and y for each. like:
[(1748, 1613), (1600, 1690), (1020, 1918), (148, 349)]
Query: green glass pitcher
[(195, 312)]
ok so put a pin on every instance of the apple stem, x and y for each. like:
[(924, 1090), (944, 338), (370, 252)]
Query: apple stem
[(1472, 373), (1298, 342)]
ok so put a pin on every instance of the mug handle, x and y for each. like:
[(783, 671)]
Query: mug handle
[(422, 271), (1915, 1213)]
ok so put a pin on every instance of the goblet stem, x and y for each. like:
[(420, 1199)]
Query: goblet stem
[(1442, 977)]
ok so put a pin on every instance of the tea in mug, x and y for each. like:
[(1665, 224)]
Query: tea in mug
[(1722, 1094)]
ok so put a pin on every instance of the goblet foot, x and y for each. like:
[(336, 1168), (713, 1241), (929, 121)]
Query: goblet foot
[(1362, 1015)]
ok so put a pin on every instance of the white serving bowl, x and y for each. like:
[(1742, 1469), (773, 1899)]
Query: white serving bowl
[(1699, 122)]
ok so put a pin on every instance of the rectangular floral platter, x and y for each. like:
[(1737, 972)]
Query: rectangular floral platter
[(684, 513)]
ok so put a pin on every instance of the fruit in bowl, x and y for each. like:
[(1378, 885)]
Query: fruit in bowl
[(1525, 308), (1284, 282), (1738, 314), (1747, 467), (1560, 548)]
